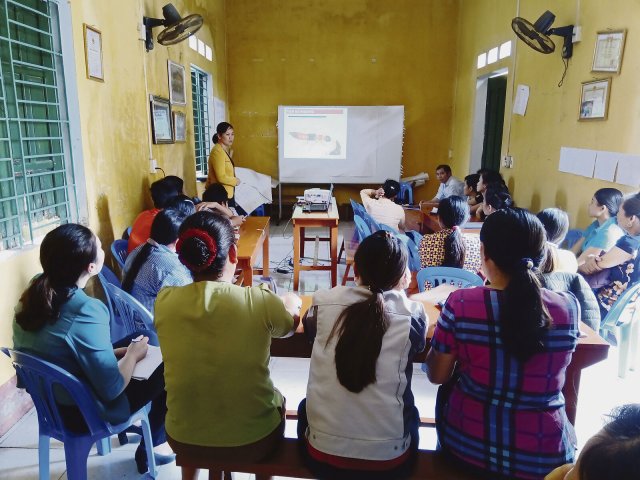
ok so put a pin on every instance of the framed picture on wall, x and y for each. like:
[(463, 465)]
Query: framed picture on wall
[(93, 53), (161, 120), (179, 127), (607, 56), (594, 99), (177, 84)]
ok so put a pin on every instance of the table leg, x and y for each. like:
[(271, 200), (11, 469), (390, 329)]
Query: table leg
[(296, 257), (247, 274), (302, 239), (334, 256), (265, 252)]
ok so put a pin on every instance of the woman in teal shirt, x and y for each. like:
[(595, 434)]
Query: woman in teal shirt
[(58, 322), (604, 232)]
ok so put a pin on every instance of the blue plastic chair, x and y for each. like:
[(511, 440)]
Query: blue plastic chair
[(374, 226), (39, 377), (129, 315), (445, 275), (258, 212), (406, 193), (119, 251), (362, 229), (623, 323)]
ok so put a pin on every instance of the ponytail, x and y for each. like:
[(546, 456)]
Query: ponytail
[(454, 249), (453, 212), (215, 138), (381, 262), (141, 257), (515, 240)]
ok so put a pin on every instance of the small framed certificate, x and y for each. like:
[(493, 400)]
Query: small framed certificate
[(607, 56), (594, 100), (161, 120), (93, 53)]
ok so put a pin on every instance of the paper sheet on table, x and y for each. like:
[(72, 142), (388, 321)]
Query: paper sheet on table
[(521, 101), (606, 164), (145, 367), (254, 189), (628, 172), (578, 161)]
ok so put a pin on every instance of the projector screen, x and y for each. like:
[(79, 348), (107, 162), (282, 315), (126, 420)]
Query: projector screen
[(339, 144)]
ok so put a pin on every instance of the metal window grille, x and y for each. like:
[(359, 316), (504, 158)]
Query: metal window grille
[(36, 172), (200, 99)]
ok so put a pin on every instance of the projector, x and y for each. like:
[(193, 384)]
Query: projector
[(317, 195)]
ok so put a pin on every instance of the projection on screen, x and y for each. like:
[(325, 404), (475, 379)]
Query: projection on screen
[(316, 132)]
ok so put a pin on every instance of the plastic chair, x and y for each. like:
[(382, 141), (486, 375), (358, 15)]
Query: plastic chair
[(129, 315), (119, 251), (362, 229), (445, 275), (39, 377), (406, 193), (357, 208), (258, 212), (571, 238), (623, 323)]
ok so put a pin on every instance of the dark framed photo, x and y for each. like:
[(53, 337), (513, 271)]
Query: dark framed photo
[(161, 120), (179, 127)]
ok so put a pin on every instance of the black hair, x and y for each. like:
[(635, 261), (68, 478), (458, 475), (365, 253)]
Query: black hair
[(617, 451), (491, 177), (611, 198), (182, 203), (65, 254), (380, 260), (174, 182), (164, 230), (631, 205), (472, 181), (453, 211), (556, 224), (215, 193), (221, 129), (444, 167), (498, 197), (514, 239), (195, 251), (391, 188), (162, 192)]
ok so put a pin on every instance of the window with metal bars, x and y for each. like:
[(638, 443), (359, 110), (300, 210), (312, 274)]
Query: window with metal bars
[(37, 186), (201, 130)]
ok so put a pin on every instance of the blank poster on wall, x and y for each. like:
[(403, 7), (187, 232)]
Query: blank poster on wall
[(578, 161), (606, 164), (628, 172)]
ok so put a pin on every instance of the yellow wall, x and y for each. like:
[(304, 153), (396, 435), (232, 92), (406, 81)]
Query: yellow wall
[(114, 118), (302, 52), (551, 118)]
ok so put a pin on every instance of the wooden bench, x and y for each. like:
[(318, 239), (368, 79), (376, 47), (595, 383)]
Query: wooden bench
[(287, 462)]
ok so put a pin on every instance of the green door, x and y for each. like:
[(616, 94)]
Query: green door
[(493, 122)]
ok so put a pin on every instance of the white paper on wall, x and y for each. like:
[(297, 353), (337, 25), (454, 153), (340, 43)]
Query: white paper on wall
[(606, 164), (628, 172), (578, 161), (219, 111), (521, 101)]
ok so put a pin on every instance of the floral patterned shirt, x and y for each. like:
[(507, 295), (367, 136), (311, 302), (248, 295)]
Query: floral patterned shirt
[(621, 276)]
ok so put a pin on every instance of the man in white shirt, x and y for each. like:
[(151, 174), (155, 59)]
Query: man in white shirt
[(449, 185), (381, 206)]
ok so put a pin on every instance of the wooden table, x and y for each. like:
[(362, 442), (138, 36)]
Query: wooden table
[(590, 350), (301, 221), (423, 221), (254, 236)]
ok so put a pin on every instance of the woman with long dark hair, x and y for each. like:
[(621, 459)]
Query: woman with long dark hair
[(215, 339), (359, 420), (502, 351), (450, 247), (220, 165), (57, 321)]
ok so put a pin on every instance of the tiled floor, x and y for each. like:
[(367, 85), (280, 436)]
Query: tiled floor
[(600, 391)]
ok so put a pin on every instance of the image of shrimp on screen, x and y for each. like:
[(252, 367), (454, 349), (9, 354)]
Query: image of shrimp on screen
[(315, 132)]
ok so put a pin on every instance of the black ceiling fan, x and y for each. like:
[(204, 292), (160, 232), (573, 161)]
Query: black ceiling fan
[(537, 35), (177, 28)]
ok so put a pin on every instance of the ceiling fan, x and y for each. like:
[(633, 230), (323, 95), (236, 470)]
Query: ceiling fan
[(177, 28), (537, 35)]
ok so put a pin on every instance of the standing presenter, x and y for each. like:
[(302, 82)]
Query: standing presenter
[(221, 166)]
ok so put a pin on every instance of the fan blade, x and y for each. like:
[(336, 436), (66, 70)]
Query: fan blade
[(181, 30)]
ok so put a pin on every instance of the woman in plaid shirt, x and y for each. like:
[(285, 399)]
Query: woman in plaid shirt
[(502, 352)]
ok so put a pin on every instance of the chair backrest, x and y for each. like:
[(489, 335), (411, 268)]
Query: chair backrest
[(357, 208), (39, 377), (623, 306), (108, 275), (131, 314), (446, 275), (406, 193), (362, 229), (119, 251)]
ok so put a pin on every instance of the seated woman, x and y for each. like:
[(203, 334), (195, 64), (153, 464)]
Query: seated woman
[(215, 339), (501, 412), (215, 199), (57, 321), (613, 452), (155, 265), (450, 247), (604, 232), (359, 420), (622, 262), (487, 178), (471, 189), (556, 226), (496, 197)]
